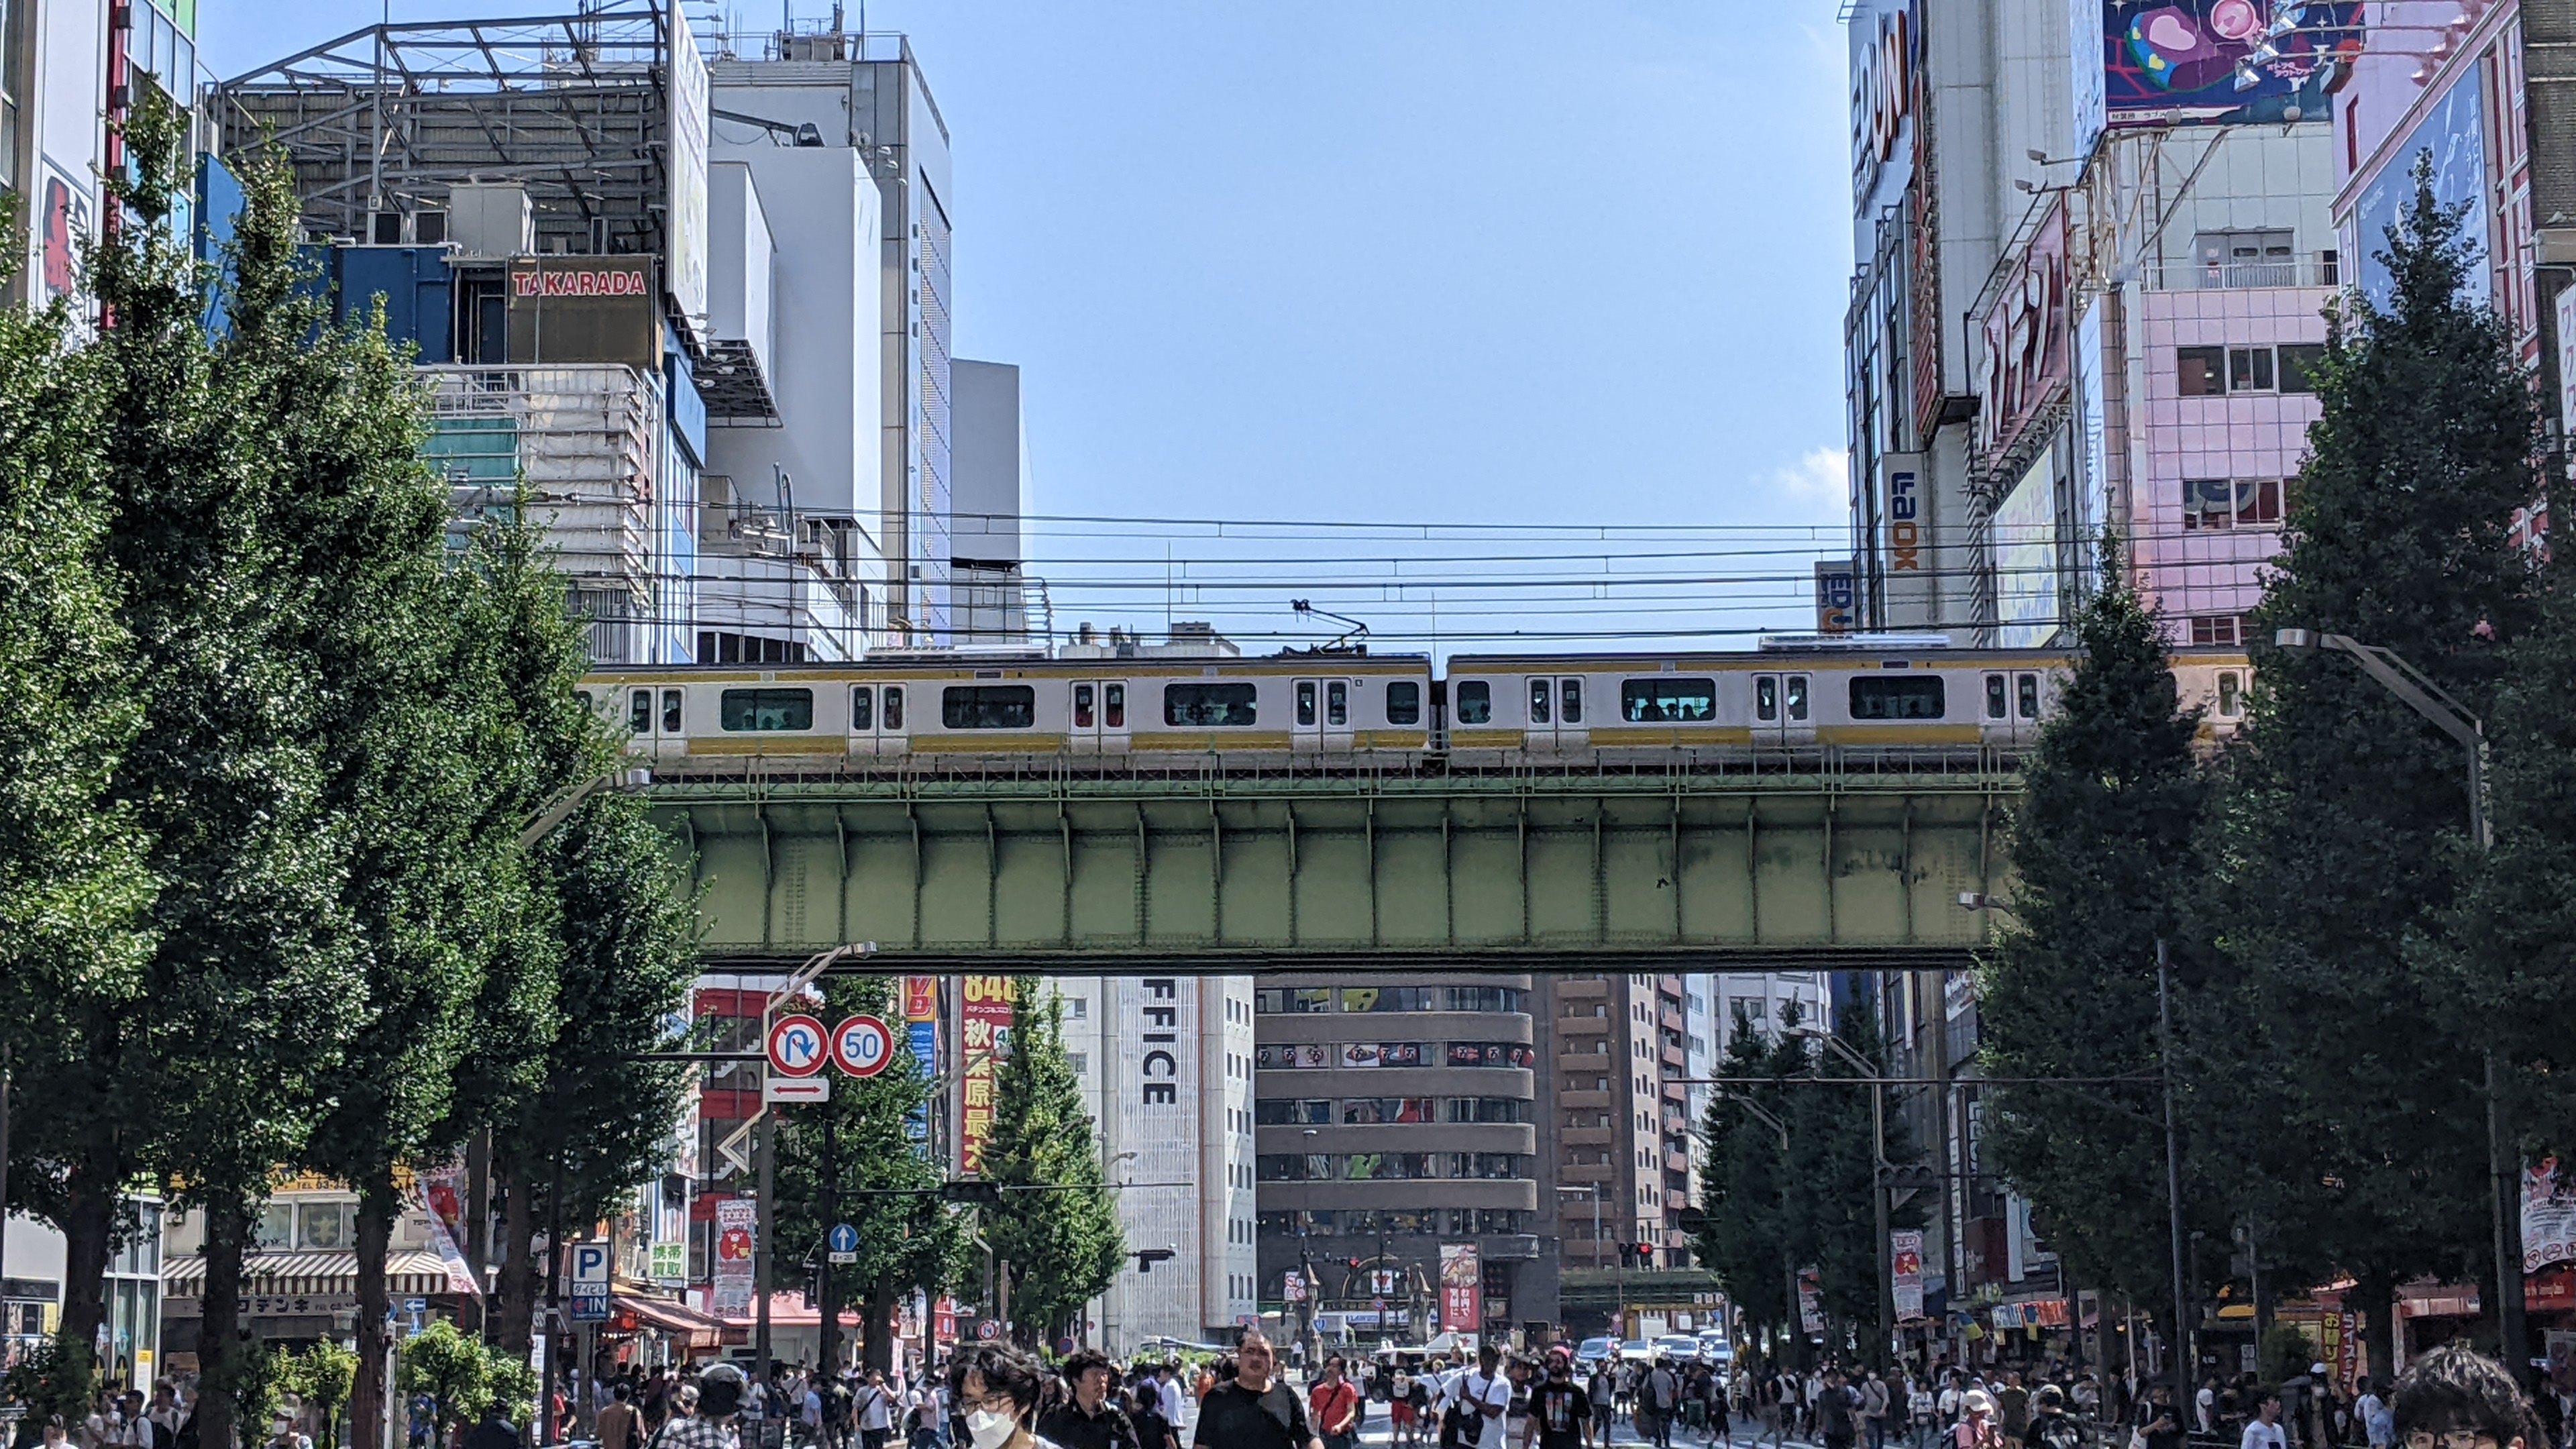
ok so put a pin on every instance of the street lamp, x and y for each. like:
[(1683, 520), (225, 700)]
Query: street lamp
[(2453, 718), (1877, 1179), (1797, 1324), (560, 809)]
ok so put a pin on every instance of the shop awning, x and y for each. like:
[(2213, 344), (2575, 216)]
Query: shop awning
[(664, 1315), (275, 1274)]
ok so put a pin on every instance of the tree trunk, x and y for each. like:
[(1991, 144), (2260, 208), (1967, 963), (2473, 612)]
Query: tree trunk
[(89, 1241), (219, 1338), (878, 1329), (478, 1230), (2375, 1315), (515, 1300), (376, 1205)]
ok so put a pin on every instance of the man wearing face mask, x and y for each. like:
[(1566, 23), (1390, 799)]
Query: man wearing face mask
[(995, 1390), (1253, 1411)]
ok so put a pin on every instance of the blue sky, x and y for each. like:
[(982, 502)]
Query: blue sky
[(1499, 262)]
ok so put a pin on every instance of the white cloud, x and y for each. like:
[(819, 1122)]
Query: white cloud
[(1822, 478)]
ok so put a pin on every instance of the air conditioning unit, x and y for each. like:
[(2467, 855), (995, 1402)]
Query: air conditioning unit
[(429, 226), (384, 229)]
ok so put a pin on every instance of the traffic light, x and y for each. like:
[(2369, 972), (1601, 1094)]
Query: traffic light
[(1645, 1255)]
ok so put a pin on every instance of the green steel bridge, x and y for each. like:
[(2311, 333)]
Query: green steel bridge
[(1822, 860)]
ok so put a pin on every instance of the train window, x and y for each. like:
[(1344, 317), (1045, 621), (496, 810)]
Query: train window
[(988, 706), (863, 708), (1404, 702), (894, 706), (1337, 703), (1795, 686), (1082, 706), (1475, 702), (670, 711), (2231, 694), (1913, 697), (1538, 692), (766, 709), (2026, 695), (639, 710), (1766, 696), (1305, 701), (1113, 706), (1219, 705), (1994, 696), (1667, 699), (1569, 700)]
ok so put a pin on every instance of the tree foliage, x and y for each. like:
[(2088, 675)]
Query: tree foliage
[(2106, 846), (1057, 1226)]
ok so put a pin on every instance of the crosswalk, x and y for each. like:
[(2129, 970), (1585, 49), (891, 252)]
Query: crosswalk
[(1379, 1433)]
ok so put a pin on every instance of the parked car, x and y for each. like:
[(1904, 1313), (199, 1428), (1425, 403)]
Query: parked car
[(1592, 1351)]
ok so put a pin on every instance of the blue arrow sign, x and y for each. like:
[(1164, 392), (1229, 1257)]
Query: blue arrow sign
[(844, 1238)]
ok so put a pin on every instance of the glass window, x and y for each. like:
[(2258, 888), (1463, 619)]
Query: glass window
[(2258, 500), (1306, 702), (1538, 702), (1569, 698), (1404, 702), (1484, 1109), (894, 706), (1378, 1111), (1389, 998), (863, 708), (766, 709), (670, 711), (2026, 695), (585, 697), (2249, 369), (639, 711), (2208, 503), (1475, 702), (1916, 696), (1795, 686), (1113, 706), (2299, 363), (276, 1225), (1994, 696), (1483, 998), (2214, 630), (1220, 706), (1291, 1112), (2200, 371), (1292, 1000), (1082, 714), (2231, 694), (1337, 702), (1766, 696), (988, 706), (323, 1226), (1667, 699)]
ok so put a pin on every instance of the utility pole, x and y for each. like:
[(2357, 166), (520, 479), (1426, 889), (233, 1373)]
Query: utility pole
[(2182, 1365), (763, 1272), (829, 1353)]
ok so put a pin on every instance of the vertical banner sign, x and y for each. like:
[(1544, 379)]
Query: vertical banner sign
[(1905, 1260), (442, 1196), (1811, 1309), (984, 1038), (687, 213), (2548, 1216), (1461, 1288), (737, 1227), (2348, 1353), (943, 1321), (1837, 593), (2565, 307), (921, 1032)]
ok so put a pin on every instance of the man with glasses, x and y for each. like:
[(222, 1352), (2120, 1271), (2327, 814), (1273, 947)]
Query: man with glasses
[(1252, 1410), (2458, 1398)]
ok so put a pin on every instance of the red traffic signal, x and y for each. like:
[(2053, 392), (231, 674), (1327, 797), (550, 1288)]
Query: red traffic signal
[(1645, 1255)]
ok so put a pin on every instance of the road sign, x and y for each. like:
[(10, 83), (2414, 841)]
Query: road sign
[(1382, 1280), (1292, 1287), (415, 1305), (844, 1238), (988, 1329), (796, 1089), (1378, 1303), (590, 1263), (861, 1046), (796, 1045)]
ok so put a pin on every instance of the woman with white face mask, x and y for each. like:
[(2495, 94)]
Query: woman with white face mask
[(996, 1392)]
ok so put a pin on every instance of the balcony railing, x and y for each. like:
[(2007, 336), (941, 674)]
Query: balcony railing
[(2311, 269)]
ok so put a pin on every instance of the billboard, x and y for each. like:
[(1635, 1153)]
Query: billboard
[(688, 175), (737, 1242), (1837, 596), (2022, 354), (984, 1039), (2225, 62), (1884, 63), (2454, 132), (1905, 1268), (921, 1033), (2025, 550), (1461, 1288), (585, 309)]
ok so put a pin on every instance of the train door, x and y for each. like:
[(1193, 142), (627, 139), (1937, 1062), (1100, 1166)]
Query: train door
[(2012, 704), (1558, 718), (877, 720), (1096, 711), (1783, 709), (1319, 715), (657, 719)]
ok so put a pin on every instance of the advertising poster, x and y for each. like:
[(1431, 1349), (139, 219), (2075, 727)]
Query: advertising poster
[(921, 1033), (2025, 534), (442, 1196), (737, 1229), (2454, 132), (984, 1038), (1837, 595), (2225, 62), (1461, 1288), (1811, 1308), (1905, 1256), (2548, 1216)]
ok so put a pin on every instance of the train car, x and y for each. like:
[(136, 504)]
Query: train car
[(930, 705)]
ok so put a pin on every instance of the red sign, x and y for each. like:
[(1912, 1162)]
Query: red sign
[(797, 1045), (2022, 364), (861, 1045), (921, 998), (984, 1032), (943, 1321), (1461, 1286)]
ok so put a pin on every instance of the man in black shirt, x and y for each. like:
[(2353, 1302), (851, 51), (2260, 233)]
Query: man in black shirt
[(1251, 1411), (1089, 1420), (1560, 1412)]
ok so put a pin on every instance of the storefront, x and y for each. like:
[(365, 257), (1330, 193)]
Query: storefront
[(293, 1299)]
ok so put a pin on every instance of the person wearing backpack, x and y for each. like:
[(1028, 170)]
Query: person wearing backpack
[(1471, 1415)]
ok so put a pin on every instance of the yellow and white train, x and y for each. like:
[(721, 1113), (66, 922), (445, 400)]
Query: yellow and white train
[(957, 711)]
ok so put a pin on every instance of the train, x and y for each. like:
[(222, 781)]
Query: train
[(1184, 707)]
